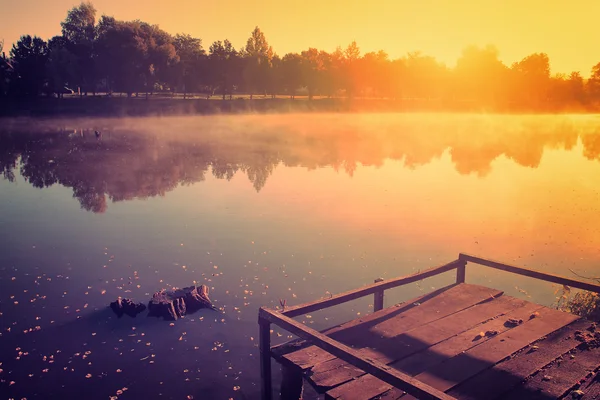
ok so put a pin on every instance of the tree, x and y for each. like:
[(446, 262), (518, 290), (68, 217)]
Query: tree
[(224, 67), (121, 55), (5, 71), (426, 78), (28, 57), (480, 76), (314, 67), (79, 29), (60, 65), (532, 76), (351, 69), (291, 65), (593, 84), (258, 55), (188, 69), (374, 70), (159, 53)]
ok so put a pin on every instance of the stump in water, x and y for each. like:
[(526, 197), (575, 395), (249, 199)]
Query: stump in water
[(126, 306), (174, 304)]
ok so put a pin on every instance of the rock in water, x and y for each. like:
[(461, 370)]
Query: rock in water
[(126, 306), (176, 303)]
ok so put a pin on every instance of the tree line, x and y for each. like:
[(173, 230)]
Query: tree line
[(112, 56)]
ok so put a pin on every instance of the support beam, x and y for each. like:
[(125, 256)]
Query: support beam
[(367, 290), (461, 272), (264, 336), (378, 298), (531, 273)]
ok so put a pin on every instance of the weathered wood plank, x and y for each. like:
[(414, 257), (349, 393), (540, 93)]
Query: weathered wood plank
[(465, 365), (458, 344), (324, 375), (371, 330), (381, 371), (311, 355), (506, 375), (531, 273), (560, 377), (434, 355), (340, 298), (392, 394), (591, 389)]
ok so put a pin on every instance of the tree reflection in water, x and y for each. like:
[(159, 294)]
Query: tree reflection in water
[(130, 163)]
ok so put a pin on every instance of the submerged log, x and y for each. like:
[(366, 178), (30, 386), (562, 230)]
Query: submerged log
[(174, 304), (126, 306)]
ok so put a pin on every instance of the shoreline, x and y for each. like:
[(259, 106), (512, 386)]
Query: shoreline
[(103, 106)]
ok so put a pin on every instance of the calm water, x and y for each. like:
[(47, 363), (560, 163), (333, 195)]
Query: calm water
[(262, 208)]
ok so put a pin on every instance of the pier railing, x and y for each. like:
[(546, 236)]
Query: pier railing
[(283, 319)]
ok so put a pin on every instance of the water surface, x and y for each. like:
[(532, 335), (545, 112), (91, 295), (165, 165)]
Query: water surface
[(263, 209)]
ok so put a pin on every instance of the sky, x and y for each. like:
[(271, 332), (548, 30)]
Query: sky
[(565, 30)]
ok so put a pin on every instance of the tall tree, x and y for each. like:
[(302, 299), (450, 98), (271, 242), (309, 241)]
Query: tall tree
[(351, 69), (121, 54), (593, 84), (480, 76), (258, 55), (313, 70), (224, 67), (60, 66), (291, 65), (189, 68), (532, 76), (5, 70), (159, 53), (29, 56), (375, 73), (79, 29)]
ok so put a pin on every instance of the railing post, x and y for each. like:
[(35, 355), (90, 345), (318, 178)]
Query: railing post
[(378, 298), (264, 337), (461, 271)]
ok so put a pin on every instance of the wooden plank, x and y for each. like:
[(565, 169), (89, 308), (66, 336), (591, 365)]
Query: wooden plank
[(447, 349), (367, 290), (311, 355), (531, 273), (366, 332), (467, 364), (506, 375), (591, 388), (434, 355), (560, 377), (335, 372), (392, 394), (382, 371)]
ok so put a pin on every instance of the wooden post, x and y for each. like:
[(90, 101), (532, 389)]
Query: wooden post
[(378, 298), (292, 383), (264, 337), (461, 271)]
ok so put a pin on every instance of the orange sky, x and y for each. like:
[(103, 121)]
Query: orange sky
[(565, 30)]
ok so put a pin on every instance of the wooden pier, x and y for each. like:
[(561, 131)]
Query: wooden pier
[(462, 341)]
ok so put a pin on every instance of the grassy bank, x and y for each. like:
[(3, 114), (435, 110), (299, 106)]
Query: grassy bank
[(140, 106)]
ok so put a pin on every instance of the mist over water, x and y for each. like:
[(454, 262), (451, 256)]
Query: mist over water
[(261, 209)]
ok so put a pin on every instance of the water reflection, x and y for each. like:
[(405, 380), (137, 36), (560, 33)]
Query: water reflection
[(146, 158)]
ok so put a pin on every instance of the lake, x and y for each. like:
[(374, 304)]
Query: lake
[(262, 209)]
